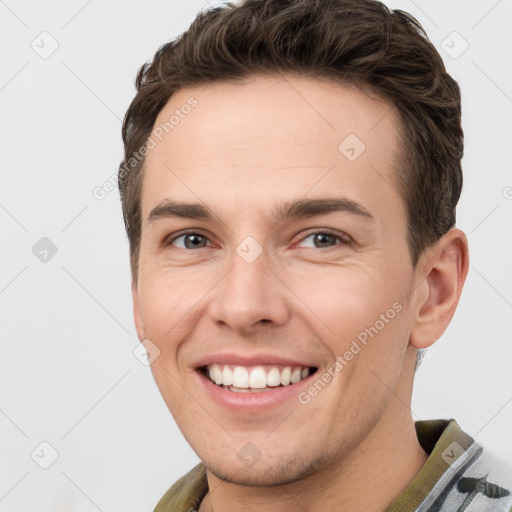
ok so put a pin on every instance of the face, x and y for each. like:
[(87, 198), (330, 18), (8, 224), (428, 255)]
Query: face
[(274, 261)]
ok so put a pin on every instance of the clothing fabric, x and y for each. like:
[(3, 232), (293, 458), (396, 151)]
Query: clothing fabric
[(459, 475)]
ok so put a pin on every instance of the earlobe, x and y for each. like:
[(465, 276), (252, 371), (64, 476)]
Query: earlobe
[(137, 315), (446, 266)]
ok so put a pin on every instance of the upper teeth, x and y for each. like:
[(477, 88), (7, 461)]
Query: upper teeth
[(255, 377)]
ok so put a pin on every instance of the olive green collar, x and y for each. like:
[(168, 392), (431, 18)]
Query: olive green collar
[(435, 437)]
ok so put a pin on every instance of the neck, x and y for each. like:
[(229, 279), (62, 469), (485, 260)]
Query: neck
[(367, 479)]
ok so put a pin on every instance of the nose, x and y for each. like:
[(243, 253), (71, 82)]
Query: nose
[(250, 294)]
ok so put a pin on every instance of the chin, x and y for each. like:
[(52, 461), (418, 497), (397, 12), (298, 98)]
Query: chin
[(277, 471)]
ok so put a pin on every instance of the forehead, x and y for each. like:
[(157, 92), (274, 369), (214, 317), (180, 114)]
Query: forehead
[(270, 138)]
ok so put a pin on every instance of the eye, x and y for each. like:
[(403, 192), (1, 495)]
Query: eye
[(189, 240), (317, 240), (325, 239)]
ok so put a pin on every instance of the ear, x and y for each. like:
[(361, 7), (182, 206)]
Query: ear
[(137, 315), (445, 266)]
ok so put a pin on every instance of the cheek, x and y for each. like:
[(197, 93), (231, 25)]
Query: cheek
[(343, 300), (164, 305), (172, 304), (359, 316)]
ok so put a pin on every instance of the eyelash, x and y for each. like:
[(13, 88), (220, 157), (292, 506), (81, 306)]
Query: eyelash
[(343, 241)]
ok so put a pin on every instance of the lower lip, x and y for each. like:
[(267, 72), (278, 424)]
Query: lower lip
[(253, 401)]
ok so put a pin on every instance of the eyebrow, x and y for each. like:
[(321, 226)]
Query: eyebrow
[(300, 208)]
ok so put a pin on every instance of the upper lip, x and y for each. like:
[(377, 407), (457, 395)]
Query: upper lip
[(250, 360)]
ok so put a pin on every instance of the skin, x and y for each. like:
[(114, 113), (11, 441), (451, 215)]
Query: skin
[(243, 150)]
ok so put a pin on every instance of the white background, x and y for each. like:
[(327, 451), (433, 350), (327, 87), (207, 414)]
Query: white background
[(68, 374)]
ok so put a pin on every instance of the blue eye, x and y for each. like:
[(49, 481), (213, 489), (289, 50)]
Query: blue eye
[(323, 239), (189, 241), (319, 240)]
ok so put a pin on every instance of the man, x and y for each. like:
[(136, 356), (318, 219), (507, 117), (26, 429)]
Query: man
[(289, 187)]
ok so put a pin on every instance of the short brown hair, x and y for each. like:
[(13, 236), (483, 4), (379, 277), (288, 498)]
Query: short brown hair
[(359, 42)]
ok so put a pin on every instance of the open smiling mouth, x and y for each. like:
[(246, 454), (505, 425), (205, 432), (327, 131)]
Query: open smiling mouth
[(255, 379)]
